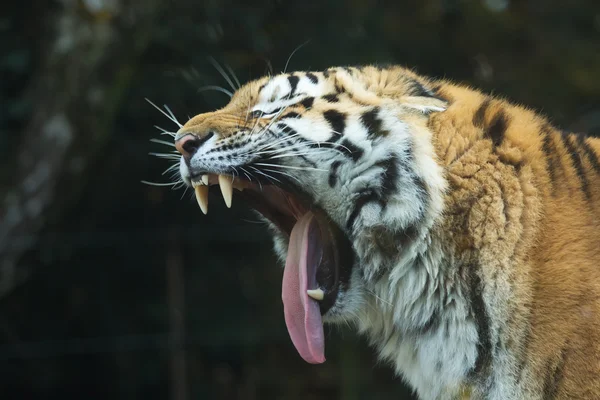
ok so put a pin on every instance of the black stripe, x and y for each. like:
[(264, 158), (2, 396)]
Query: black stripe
[(432, 324), (351, 149), (482, 321), (373, 124), (416, 88), (577, 164), (479, 116), (336, 120), (262, 86), (390, 177), (363, 199), (313, 78), (422, 191), (287, 129), (524, 352), (332, 180), (407, 235), (550, 153), (589, 152), (308, 102), (498, 127), (554, 378), (291, 114), (291, 131), (293, 80), (326, 74), (331, 98)]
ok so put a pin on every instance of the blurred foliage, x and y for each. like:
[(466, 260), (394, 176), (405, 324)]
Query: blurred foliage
[(95, 320)]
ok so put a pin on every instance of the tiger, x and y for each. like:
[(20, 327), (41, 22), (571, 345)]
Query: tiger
[(456, 230)]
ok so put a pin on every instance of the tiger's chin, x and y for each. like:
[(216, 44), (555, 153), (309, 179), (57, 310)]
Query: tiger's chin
[(318, 254)]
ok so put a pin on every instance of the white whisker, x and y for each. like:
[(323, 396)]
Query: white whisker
[(164, 155), (164, 131), (232, 74), (171, 168), (248, 174), (306, 153), (184, 192), (291, 55), (171, 113), (222, 72), (283, 173), (164, 113), (379, 298), (162, 142), (216, 88), (290, 167), (266, 175), (160, 184)]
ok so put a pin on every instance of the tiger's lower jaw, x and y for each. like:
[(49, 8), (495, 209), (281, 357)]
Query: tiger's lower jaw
[(319, 255)]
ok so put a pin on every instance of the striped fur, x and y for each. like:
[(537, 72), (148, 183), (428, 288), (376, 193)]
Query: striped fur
[(474, 222)]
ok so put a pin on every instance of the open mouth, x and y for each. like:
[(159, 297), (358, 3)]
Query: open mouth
[(319, 257)]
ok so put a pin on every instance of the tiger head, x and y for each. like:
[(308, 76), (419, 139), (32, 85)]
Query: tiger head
[(342, 166)]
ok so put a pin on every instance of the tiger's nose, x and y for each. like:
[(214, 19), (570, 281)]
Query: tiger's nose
[(188, 145)]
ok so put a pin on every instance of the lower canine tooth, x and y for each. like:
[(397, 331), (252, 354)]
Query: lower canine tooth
[(205, 179), (226, 189), (316, 294), (202, 197)]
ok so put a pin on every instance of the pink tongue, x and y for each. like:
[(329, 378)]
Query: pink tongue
[(302, 314)]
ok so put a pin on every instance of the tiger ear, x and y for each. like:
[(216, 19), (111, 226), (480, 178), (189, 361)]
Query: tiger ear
[(423, 104)]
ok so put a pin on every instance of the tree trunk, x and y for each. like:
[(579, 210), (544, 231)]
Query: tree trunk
[(87, 62)]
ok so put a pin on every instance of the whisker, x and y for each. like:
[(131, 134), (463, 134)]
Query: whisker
[(306, 153), (164, 131), (291, 55), (256, 123), (279, 140), (164, 155), (184, 192), (164, 113), (179, 185), (232, 74), (162, 142), (290, 167), (245, 173), (266, 175), (216, 88), (160, 183), (283, 173), (259, 222), (171, 113), (379, 298), (249, 173), (273, 120), (222, 72), (171, 168)]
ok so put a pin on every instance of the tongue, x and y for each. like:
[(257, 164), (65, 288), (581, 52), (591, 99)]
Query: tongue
[(302, 313)]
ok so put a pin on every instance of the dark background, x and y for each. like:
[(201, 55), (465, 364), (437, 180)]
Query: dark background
[(110, 288)]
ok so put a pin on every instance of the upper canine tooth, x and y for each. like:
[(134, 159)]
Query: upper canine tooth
[(202, 197), (316, 294), (226, 189)]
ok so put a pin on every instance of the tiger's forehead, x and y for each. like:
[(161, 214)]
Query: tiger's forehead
[(282, 88), (288, 86)]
